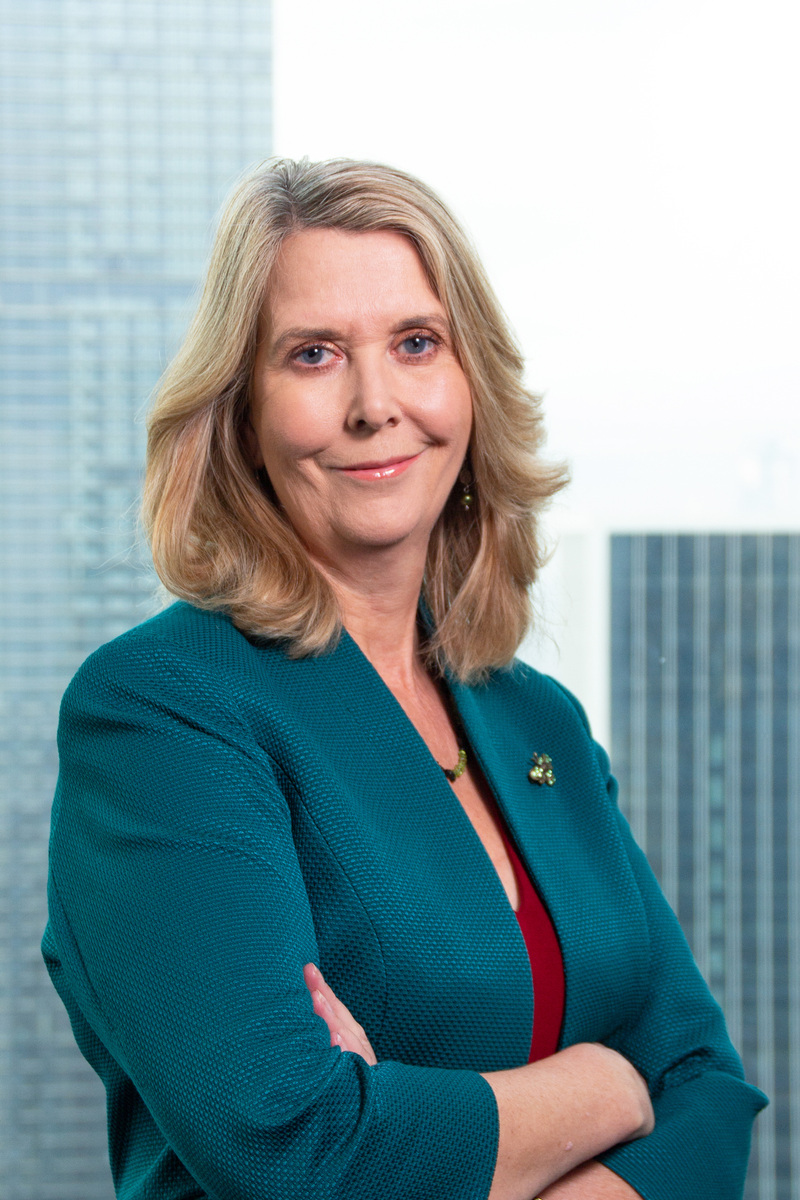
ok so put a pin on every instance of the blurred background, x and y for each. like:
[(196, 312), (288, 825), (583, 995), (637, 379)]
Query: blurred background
[(629, 174)]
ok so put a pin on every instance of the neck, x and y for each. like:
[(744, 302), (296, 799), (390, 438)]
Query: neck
[(378, 592)]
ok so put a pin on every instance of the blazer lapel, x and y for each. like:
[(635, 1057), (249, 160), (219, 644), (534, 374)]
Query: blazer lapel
[(466, 949), (567, 837)]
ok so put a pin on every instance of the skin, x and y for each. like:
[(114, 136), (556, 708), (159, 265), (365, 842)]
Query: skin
[(361, 415), (385, 384), (582, 1078)]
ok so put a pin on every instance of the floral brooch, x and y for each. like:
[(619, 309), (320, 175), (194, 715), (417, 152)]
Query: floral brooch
[(542, 770)]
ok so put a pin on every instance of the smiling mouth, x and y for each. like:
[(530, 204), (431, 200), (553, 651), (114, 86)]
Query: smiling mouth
[(388, 469)]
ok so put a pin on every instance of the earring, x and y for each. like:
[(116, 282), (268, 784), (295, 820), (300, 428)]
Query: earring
[(467, 495)]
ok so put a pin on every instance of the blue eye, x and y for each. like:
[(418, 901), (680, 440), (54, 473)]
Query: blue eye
[(311, 356), (417, 343)]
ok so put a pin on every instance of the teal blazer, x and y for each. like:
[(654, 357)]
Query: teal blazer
[(226, 813)]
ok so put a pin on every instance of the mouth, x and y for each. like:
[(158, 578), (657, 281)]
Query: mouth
[(388, 468)]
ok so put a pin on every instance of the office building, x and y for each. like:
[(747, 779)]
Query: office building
[(123, 126), (705, 712)]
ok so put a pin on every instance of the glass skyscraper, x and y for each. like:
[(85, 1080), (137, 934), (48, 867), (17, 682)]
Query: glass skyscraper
[(705, 672), (123, 124)]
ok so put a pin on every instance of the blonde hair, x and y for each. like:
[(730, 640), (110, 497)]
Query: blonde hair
[(217, 537)]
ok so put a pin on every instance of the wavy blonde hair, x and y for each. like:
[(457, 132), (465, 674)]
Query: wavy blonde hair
[(218, 538)]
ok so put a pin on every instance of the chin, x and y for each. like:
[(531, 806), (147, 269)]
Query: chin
[(383, 536)]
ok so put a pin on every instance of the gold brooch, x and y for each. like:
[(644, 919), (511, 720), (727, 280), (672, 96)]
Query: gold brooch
[(542, 770)]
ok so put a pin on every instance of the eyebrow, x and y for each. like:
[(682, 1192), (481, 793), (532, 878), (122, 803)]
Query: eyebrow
[(300, 334)]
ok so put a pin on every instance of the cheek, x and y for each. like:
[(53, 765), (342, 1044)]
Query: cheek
[(290, 427), (451, 409)]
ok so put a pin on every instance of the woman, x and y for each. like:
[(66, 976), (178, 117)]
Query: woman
[(299, 810)]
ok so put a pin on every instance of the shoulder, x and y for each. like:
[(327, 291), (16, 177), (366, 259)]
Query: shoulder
[(551, 690), (182, 652), (193, 669), (180, 630), (522, 693)]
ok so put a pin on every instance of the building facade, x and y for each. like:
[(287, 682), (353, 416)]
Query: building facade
[(124, 123), (705, 712)]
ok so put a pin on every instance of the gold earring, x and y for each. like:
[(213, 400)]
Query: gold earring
[(467, 495)]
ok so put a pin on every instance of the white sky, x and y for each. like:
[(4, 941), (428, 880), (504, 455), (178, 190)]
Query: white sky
[(629, 172)]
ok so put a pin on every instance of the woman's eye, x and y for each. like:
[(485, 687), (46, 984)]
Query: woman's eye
[(417, 344), (311, 356)]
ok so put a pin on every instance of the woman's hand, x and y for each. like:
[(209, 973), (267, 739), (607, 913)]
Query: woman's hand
[(603, 1080), (344, 1028)]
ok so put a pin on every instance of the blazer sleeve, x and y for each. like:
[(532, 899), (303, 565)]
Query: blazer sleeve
[(678, 1041), (180, 925)]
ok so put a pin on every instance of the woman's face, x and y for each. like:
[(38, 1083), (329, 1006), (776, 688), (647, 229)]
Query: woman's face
[(361, 414)]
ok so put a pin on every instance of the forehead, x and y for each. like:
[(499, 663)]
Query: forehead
[(334, 276)]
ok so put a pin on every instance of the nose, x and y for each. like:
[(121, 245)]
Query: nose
[(373, 401)]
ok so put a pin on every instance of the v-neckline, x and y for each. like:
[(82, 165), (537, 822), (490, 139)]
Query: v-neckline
[(447, 682)]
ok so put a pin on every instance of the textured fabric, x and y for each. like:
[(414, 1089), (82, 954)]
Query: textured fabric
[(225, 814), (544, 953)]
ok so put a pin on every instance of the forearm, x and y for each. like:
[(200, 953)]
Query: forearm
[(591, 1181), (559, 1113)]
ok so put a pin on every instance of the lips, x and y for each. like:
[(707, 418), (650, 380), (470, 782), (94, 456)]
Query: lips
[(387, 468)]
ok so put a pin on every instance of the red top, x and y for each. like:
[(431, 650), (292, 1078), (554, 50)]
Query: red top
[(547, 965)]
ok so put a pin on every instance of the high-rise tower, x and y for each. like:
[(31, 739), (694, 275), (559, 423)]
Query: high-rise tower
[(123, 125), (705, 672)]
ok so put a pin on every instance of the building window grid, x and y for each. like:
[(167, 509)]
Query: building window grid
[(724, 608), (112, 215)]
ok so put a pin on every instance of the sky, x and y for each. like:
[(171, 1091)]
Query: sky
[(628, 170), (629, 173)]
